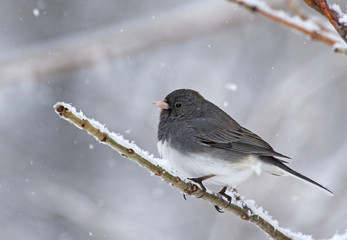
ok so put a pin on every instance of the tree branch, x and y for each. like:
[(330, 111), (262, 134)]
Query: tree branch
[(143, 34), (305, 26), (246, 209), (334, 17)]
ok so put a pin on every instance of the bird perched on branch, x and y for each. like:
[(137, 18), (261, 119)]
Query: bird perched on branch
[(204, 144)]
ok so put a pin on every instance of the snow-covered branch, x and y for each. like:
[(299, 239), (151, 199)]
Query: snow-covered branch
[(246, 209), (333, 14), (306, 26)]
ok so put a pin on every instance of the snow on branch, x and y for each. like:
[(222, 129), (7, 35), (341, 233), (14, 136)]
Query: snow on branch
[(245, 209), (333, 14), (305, 25)]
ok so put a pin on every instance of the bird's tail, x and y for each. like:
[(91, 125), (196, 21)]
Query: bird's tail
[(277, 167)]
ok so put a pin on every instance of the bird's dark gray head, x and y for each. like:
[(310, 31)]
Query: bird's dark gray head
[(182, 104)]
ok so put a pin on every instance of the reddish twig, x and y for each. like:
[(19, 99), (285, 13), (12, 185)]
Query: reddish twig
[(305, 26), (333, 16)]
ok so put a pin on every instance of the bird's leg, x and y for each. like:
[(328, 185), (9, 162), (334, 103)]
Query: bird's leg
[(199, 182), (222, 193)]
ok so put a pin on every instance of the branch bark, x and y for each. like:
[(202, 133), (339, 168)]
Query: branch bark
[(246, 210)]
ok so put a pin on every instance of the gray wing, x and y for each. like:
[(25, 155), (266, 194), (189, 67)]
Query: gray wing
[(237, 139)]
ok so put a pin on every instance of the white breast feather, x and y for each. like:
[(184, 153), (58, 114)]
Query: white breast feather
[(198, 165)]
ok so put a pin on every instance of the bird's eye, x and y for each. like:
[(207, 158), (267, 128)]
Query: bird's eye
[(178, 105)]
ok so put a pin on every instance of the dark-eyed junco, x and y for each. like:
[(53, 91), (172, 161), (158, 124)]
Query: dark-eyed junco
[(204, 144)]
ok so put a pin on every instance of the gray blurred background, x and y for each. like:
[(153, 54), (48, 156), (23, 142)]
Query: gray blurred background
[(113, 59)]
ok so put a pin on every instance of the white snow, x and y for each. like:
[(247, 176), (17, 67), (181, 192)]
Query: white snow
[(264, 214), (342, 16), (339, 236), (343, 19), (231, 86), (340, 45), (36, 12)]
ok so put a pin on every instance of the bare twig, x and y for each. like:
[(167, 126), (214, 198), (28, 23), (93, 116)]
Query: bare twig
[(305, 26), (244, 209)]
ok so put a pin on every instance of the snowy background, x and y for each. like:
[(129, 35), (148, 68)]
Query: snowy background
[(57, 182)]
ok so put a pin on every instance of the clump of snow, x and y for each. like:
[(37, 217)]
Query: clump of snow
[(343, 16), (339, 237), (36, 12), (340, 45), (255, 210), (231, 86), (343, 19)]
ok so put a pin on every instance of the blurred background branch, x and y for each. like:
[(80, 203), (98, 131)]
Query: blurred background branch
[(305, 25), (119, 41), (141, 35)]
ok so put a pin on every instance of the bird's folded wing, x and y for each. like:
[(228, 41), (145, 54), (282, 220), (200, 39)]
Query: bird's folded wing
[(239, 140)]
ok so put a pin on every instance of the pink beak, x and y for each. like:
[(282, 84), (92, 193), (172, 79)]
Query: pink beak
[(162, 105)]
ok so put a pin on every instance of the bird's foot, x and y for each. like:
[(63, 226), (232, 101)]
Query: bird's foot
[(199, 180), (219, 209), (223, 194)]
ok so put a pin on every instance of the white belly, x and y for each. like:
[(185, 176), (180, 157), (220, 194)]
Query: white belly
[(194, 165)]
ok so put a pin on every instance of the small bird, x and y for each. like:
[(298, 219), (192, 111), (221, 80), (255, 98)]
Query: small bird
[(204, 144)]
